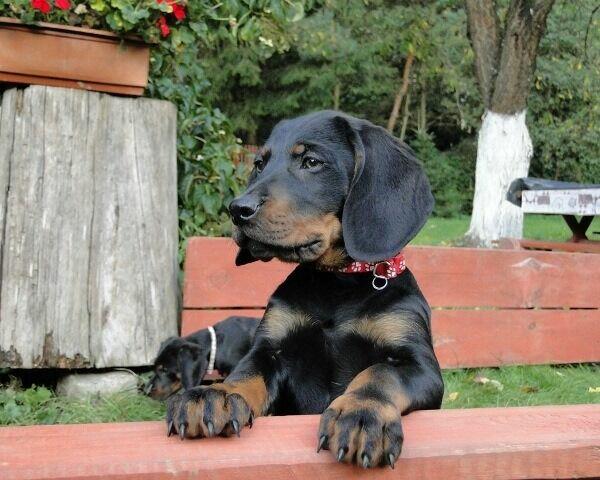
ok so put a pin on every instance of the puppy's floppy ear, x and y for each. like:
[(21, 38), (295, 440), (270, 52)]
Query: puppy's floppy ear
[(191, 365), (171, 341), (389, 198)]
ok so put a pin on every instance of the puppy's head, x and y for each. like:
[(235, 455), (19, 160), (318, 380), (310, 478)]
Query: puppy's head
[(179, 363), (327, 186)]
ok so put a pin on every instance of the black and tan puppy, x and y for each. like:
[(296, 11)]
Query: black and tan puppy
[(183, 361), (328, 189)]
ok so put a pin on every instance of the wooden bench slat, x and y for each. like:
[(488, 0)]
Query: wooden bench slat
[(506, 443), (491, 338), (466, 277), (485, 338), (213, 281), (449, 277), (193, 320)]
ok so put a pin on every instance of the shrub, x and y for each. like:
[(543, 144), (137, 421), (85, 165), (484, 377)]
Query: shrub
[(450, 174), (350, 54)]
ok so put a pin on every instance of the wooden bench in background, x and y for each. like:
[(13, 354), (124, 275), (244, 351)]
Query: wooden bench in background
[(491, 308)]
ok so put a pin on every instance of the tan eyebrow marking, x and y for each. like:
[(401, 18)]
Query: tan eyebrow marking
[(298, 149), (264, 152)]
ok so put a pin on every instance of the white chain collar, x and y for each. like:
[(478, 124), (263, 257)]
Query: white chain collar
[(213, 350)]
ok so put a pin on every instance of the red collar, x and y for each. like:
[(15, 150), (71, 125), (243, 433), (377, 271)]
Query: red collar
[(384, 270)]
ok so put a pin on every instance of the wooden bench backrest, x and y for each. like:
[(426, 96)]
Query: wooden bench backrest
[(490, 307)]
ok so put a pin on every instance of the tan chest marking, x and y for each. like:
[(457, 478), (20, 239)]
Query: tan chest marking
[(280, 322), (383, 329)]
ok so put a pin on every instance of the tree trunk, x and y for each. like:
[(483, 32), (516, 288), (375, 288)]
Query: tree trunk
[(88, 239), (504, 65), (401, 92), (504, 151), (484, 33), (336, 96), (422, 116), (525, 25), (405, 117)]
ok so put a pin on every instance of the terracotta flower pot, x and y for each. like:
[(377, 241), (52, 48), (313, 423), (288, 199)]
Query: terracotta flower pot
[(65, 56)]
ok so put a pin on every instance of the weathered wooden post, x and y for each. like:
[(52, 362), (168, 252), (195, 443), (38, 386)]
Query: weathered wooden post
[(88, 228)]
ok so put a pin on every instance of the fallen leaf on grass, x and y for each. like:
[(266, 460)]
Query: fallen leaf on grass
[(497, 385), (481, 380), (452, 396), (529, 389), (594, 390)]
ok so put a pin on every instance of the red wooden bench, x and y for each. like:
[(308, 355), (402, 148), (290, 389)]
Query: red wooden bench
[(491, 308)]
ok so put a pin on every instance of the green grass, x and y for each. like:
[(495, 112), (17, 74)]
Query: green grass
[(449, 231), (40, 405), (442, 231), (522, 386), (469, 388)]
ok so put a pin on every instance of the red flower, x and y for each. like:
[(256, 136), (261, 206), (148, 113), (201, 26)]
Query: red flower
[(164, 28), (63, 4), (178, 11), (41, 5)]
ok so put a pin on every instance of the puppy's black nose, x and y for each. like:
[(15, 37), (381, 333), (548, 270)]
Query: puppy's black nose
[(244, 208)]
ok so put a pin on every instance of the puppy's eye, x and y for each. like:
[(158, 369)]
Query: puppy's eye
[(311, 163), (259, 164)]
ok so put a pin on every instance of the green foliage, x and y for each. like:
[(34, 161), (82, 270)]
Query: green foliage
[(16, 405), (359, 47), (451, 179), (564, 106), (119, 16), (208, 179), (206, 145), (235, 68), (39, 405), (350, 54)]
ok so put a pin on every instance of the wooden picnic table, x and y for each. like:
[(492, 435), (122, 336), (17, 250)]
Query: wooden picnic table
[(550, 197)]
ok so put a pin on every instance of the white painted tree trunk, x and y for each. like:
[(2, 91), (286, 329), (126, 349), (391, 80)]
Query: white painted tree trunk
[(504, 151)]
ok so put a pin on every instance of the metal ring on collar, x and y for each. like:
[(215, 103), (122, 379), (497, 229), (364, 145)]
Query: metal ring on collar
[(377, 276)]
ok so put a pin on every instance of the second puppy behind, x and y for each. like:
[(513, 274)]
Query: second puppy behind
[(182, 362)]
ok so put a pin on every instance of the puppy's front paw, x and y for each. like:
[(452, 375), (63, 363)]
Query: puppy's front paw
[(207, 412), (364, 431)]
